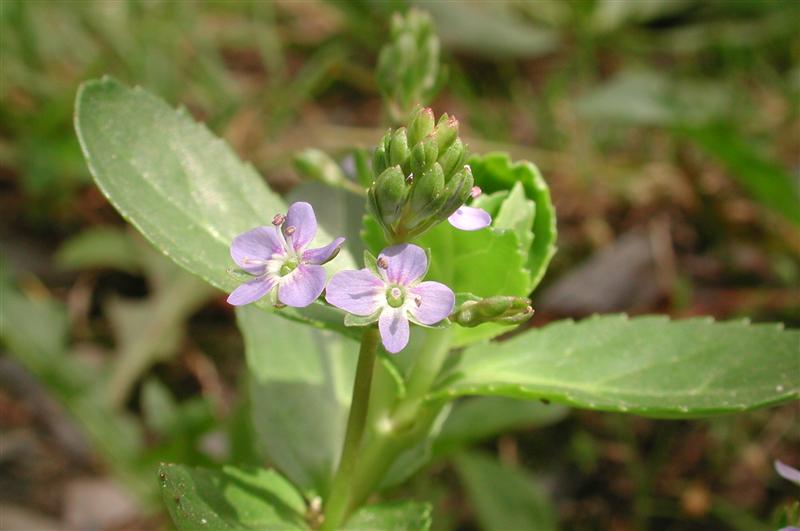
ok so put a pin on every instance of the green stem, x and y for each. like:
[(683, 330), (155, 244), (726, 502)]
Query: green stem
[(410, 420), (336, 507)]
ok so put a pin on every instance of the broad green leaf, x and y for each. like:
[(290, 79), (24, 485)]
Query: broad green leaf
[(300, 384), (517, 213), (398, 516), (178, 184), (477, 418), (763, 179), (650, 366), (503, 497), (230, 498), (99, 247), (494, 172)]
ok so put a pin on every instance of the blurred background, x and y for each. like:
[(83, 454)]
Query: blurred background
[(668, 131)]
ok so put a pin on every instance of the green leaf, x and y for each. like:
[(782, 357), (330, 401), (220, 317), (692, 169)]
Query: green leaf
[(399, 516), (300, 384), (99, 247), (479, 418), (516, 213), (495, 172), (178, 184), (230, 498), (763, 179), (503, 497), (649, 365)]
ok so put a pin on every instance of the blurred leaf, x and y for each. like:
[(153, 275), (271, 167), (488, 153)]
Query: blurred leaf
[(766, 181), (480, 418), (230, 498), (99, 247), (158, 406), (397, 516), (301, 380), (609, 15), (490, 29), (184, 189), (649, 365), (503, 497)]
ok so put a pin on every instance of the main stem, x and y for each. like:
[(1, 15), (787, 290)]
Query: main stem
[(336, 507)]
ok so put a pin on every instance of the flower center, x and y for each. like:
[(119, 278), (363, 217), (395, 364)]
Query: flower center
[(395, 296), (287, 267)]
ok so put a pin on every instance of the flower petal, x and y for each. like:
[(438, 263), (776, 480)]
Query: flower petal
[(251, 291), (301, 217), (436, 301), (302, 286), (787, 472), (357, 292), (405, 263), (393, 325), (470, 218), (322, 255), (256, 245)]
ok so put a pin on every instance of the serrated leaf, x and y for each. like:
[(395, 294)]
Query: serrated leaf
[(516, 213), (180, 186), (504, 497), (300, 384), (230, 498), (495, 172), (649, 365), (398, 516)]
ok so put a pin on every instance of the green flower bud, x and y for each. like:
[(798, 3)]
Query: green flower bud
[(398, 148), (390, 191), (380, 158), (499, 309), (453, 158), (456, 192), (424, 155), (446, 131), (426, 194), (421, 125)]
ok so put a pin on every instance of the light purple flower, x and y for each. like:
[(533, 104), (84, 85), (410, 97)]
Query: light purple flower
[(470, 218), (393, 294), (787, 472), (277, 258)]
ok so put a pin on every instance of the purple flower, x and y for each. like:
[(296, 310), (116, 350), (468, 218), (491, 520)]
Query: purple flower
[(277, 258), (392, 294), (787, 472), (470, 218)]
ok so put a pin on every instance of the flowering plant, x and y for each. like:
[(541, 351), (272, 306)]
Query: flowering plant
[(355, 367)]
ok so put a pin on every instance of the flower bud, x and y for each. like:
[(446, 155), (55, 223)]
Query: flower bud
[(424, 155), (398, 148), (426, 195), (499, 309), (456, 192), (453, 158), (446, 131), (390, 192), (380, 158), (421, 125)]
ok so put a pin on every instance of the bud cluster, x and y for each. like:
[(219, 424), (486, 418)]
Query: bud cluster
[(421, 176), (500, 309)]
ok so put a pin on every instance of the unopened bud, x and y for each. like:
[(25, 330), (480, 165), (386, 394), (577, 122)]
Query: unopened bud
[(398, 148), (453, 158), (390, 192), (456, 192), (500, 309), (421, 125), (475, 192), (426, 195), (446, 131), (424, 154)]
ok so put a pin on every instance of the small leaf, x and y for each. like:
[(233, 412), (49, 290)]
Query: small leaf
[(230, 498), (649, 365), (180, 186), (504, 497), (516, 213), (398, 516)]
